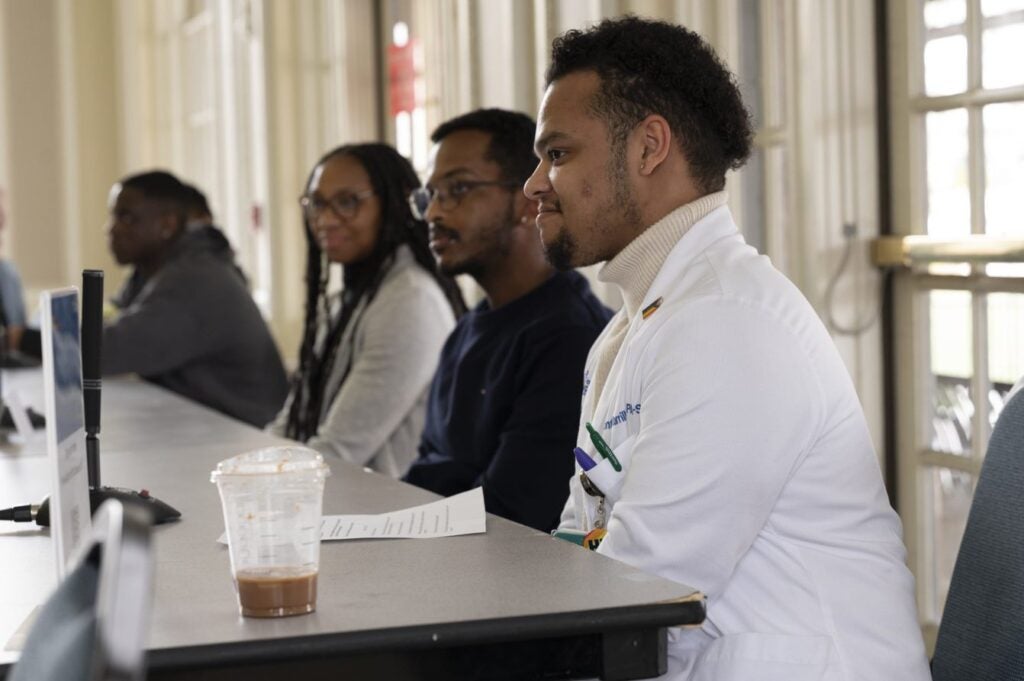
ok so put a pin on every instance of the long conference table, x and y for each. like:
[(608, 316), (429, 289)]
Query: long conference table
[(510, 603)]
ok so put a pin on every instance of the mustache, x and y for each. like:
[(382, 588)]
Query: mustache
[(439, 230)]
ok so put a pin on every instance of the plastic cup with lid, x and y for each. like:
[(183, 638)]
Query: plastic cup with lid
[(273, 500)]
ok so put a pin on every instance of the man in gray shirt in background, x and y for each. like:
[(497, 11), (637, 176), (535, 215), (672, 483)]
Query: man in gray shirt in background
[(186, 320)]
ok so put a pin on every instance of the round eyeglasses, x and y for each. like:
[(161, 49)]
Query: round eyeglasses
[(343, 204), (450, 196)]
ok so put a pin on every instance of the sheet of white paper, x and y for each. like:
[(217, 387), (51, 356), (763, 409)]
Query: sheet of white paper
[(460, 514)]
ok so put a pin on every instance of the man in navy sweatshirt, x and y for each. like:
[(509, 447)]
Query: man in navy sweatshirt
[(504, 403)]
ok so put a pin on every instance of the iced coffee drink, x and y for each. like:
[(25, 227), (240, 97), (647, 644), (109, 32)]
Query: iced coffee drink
[(276, 592), (272, 500)]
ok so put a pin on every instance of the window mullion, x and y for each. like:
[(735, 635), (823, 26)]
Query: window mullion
[(918, 374), (980, 382), (973, 28), (975, 132), (976, 169)]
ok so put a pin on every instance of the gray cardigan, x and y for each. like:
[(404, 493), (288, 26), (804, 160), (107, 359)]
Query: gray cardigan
[(377, 416)]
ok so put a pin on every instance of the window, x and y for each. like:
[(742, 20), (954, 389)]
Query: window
[(958, 97)]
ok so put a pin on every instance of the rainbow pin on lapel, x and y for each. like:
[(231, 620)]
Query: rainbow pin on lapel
[(652, 308)]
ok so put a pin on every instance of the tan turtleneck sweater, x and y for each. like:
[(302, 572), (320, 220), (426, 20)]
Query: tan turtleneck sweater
[(633, 271)]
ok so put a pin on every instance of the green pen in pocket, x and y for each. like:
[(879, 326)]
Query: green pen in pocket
[(603, 449)]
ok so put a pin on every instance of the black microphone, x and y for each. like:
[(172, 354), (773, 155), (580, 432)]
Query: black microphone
[(92, 383)]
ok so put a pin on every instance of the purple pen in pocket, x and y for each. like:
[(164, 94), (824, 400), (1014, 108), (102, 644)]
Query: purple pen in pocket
[(585, 462)]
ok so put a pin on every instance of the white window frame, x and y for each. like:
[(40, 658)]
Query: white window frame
[(909, 107)]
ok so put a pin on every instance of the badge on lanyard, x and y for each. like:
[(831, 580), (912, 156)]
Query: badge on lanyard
[(590, 540), (590, 488), (594, 537), (586, 463)]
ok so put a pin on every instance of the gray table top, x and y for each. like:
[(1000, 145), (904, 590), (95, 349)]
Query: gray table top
[(371, 592)]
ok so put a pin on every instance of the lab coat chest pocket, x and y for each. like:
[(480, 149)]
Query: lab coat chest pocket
[(604, 475), (766, 657)]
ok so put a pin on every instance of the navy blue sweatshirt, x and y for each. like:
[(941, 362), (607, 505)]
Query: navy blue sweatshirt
[(504, 404)]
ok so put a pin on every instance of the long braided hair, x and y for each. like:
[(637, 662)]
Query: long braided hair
[(392, 178)]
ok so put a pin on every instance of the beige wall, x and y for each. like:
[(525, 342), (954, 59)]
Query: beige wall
[(33, 145), (59, 137), (93, 129)]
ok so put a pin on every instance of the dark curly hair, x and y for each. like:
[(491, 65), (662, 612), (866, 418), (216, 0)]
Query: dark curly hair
[(392, 178), (652, 67), (511, 145)]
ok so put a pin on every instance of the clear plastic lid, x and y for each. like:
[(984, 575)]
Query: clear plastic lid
[(272, 461)]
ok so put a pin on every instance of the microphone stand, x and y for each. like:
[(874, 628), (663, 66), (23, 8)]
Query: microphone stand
[(92, 382), (92, 386)]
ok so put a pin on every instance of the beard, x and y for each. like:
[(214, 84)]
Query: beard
[(620, 212), (491, 243), (561, 252)]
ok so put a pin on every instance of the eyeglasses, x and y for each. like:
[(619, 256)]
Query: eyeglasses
[(343, 204), (448, 197)]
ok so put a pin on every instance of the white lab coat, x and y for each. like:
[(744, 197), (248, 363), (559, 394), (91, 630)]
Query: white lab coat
[(748, 473)]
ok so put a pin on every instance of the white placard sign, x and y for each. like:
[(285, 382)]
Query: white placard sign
[(70, 520)]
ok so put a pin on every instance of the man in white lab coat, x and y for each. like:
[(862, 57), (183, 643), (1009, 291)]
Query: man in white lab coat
[(747, 469)]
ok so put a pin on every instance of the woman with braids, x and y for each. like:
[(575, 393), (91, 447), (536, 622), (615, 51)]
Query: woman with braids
[(367, 354)]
